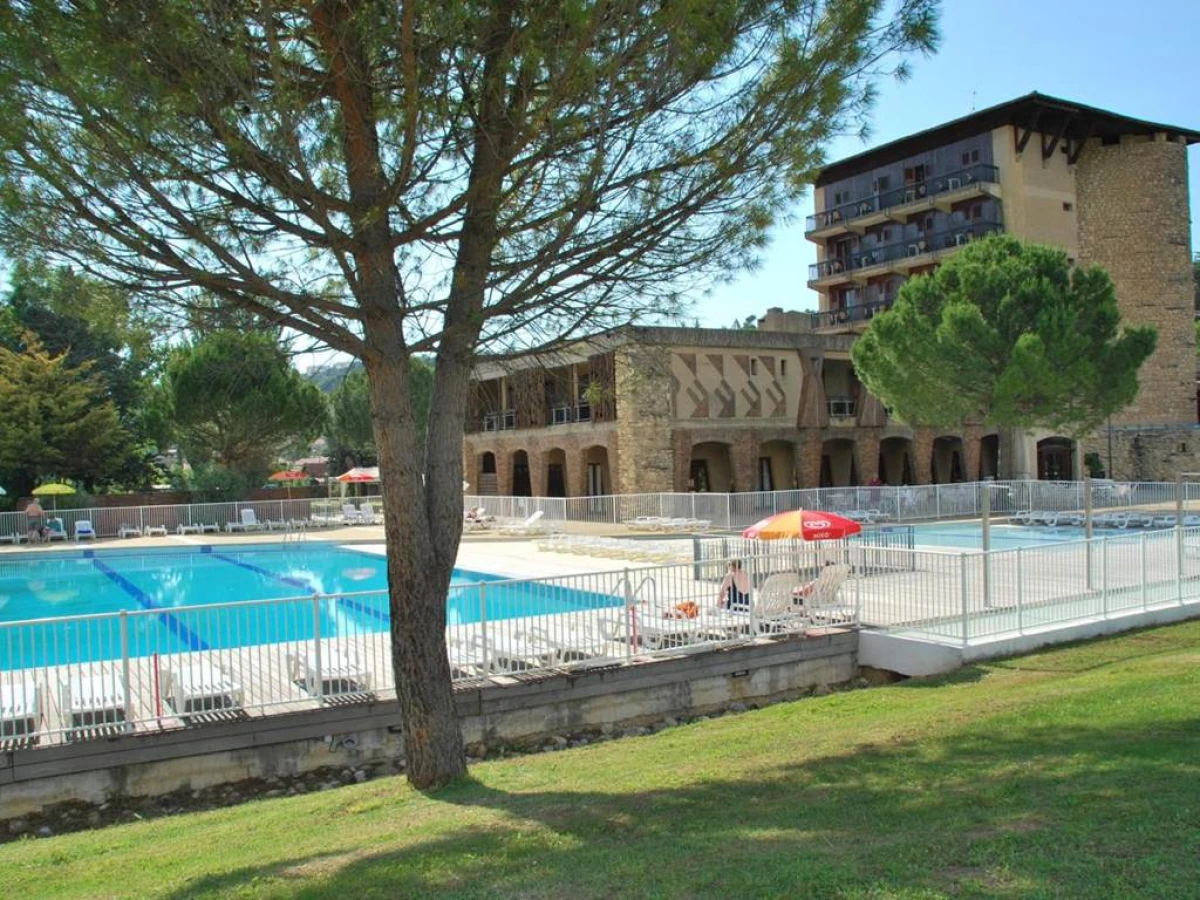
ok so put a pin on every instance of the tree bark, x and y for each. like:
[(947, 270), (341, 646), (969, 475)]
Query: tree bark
[(421, 551)]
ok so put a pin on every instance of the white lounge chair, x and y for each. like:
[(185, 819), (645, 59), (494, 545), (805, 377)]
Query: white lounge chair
[(91, 701), (20, 709), (55, 530), (195, 528), (84, 530), (200, 687), (821, 603), (529, 526), (350, 514), (366, 514), (15, 538), (249, 522), (339, 672), (128, 531)]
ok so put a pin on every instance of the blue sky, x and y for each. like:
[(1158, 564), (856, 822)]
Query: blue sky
[(1135, 59)]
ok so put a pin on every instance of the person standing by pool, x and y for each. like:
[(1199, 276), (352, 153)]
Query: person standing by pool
[(36, 517), (735, 588)]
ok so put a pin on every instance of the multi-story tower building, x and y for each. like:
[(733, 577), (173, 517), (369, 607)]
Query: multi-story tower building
[(709, 409), (1108, 189)]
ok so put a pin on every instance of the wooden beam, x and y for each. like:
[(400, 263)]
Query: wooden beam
[(1023, 139), (1048, 149), (1077, 146)]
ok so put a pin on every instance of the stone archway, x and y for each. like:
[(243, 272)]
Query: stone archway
[(895, 461), (946, 464), (711, 468), (838, 468), (556, 472), (522, 484), (1056, 459), (989, 456), (775, 467), (597, 475)]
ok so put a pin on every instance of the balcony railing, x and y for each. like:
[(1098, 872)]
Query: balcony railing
[(565, 414), (850, 314), (909, 193), (915, 246), (500, 421), (841, 407)]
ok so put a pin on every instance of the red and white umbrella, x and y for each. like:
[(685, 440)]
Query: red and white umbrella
[(803, 524), (360, 475)]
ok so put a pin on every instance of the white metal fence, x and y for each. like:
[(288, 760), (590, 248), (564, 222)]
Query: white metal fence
[(159, 668), (899, 504), (720, 511)]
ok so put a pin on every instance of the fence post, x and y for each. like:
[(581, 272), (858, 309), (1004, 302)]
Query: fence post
[(937, 502), (1104, 576), (966, 616), (1020, 594), (728, 511), (753, 594), (125, 664), (316, 611), (1142, 538), (862, 556), (141, 524), (630, 628), (483, 627)]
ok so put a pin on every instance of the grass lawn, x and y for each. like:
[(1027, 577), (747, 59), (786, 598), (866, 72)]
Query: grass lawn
[(1070, 773)]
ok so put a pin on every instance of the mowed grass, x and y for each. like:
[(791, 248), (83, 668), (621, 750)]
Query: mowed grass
[(1069, 773)]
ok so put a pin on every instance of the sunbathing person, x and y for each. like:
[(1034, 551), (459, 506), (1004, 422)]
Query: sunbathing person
[(734, 592)]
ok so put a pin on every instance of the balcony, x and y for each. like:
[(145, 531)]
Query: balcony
[(565, 414), (841, 407), (940, 192), (500, 421), (900, 257), (849, 318)]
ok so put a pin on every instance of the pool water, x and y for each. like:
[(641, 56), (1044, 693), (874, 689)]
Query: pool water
[(969, 536), (175, 586)]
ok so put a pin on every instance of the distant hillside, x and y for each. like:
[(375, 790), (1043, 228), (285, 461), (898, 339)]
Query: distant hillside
[(328, 377)]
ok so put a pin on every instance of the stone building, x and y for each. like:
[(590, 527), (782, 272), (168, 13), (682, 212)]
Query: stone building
[(662, 409)]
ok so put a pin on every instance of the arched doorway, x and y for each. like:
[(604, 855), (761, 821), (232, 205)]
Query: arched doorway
[(710, 469), (989, 456), (556, 472), (599, 478), (946, 466), (485, 473), (838, 468), (775, 470), (1056, 459), (895, 461), (521, 484)]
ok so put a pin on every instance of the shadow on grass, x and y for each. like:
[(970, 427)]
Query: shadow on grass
[(1080, 812)]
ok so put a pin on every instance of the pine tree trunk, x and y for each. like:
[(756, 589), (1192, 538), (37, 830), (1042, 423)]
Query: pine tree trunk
[(422, 543)]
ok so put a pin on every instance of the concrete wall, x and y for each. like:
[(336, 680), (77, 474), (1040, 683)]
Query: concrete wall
[(735, 383), (1037, 192), (522, 713)]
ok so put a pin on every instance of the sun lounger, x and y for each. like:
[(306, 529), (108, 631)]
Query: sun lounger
[(90, 701), (822, 605), (84, 530), (249, 522), (532, 525), (128, 531), (200, 687), (20, 708), (55, 530), (189, 529), (15, 538), (339, 672)]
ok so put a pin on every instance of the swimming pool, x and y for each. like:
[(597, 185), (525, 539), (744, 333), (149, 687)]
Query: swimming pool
[(969, 536), (171, 589)]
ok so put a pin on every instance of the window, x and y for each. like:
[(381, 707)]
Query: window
[(974, 156), (838, 196), (753, 366), (928, 225), (966, 159), (1067, 207), (885, 235), (977, 211), (782, 367), (880, 184), (914, 175)]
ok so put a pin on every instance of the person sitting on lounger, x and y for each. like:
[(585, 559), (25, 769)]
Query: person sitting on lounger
[(735, 588), (800, 594)]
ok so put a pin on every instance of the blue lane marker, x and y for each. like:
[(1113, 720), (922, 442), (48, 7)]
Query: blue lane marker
[(173, 623), (381, 616), (294, 582)]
